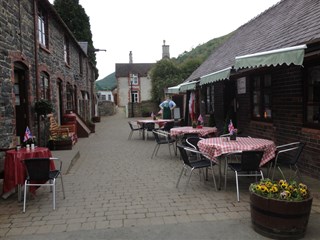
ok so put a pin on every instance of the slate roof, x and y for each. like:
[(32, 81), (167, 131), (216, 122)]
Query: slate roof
[(286, 24), (108, 83), (124, 69)]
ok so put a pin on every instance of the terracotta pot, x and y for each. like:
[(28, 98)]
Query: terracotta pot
[(280, 219)]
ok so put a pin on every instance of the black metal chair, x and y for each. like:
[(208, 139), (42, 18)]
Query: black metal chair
[(193, 142), (161, 138), (288, 155), (149, 127), (167, 126), (203, 162), (39, 174), (134, 127), (248, 166)]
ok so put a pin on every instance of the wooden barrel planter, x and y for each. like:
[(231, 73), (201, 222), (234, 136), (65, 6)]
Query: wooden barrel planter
[(280, 219)]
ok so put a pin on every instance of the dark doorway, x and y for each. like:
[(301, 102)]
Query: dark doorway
[(21, 100)]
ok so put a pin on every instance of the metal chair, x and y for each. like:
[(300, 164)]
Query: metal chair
[(161, 138), (203, 162), (135, 127), (39, 174), (248, 166), (288, 155), (148, 127)]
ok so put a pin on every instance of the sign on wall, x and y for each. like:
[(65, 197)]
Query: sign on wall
[(241, 85)]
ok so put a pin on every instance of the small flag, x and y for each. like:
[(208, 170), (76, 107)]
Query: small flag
[(200, 119), (27, 134), (152, 115), (230, 127)]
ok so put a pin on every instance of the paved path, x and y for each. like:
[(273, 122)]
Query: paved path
[(115, 191)]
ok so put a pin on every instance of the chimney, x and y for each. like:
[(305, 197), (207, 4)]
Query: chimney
[(165, 50), (130, 57)]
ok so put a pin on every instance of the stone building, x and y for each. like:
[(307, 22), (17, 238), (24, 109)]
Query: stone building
[(39, 59)]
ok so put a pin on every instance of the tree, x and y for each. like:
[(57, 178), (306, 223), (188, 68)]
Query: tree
[(164, 74), (75, 17)]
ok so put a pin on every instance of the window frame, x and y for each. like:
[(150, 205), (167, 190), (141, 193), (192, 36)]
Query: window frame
[(314, 103), (134, 79), (263, 91), (45, 85), (43, 36), (66, 50), (134, 96)]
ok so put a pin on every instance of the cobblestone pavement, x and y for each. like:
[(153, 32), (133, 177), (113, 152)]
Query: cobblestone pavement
[(116, 191)]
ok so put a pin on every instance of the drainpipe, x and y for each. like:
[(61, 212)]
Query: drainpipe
[(35, 37)]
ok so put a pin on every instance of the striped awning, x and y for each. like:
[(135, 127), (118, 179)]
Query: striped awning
[(290, 55), (174, 89), (215, 76), (188, 86)]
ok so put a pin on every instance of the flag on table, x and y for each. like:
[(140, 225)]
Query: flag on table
[(27, 134), (230, 127), (200, 119)]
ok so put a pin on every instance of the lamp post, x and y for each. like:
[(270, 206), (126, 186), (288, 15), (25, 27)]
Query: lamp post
[(132, 112)]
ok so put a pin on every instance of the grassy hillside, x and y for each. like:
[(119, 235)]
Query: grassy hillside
[(203, 51)]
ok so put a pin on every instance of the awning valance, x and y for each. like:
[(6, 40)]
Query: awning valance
[(215, 76), (288, 56), (188, 86), (174, 89)]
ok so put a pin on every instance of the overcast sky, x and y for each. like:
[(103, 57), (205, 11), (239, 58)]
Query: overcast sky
[(140, 26)]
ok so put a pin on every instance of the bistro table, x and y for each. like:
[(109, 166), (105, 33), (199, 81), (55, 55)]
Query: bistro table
[(178, 131), (14, 170), (160, 122), (214, 148)]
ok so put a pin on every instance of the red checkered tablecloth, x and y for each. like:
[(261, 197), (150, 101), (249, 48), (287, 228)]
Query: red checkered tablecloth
[(215, 147), (201, 131)]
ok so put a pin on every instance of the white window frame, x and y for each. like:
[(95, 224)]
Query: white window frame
[(134, 79)]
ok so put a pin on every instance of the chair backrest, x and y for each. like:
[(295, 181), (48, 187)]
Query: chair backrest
[(193, 142), (298, 153), (131, 124), (167, 126), (184, 155), (38, 169), (250, 160), (149, 126)]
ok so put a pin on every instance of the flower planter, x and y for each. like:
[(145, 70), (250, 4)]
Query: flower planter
[(96, 119), (60, 145), (280, 219)]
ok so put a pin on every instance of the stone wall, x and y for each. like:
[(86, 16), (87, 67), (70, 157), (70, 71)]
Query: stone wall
[(106, 108)]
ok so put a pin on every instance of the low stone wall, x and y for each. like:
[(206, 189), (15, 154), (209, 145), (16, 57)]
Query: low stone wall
[(106, 108), (143, 109)]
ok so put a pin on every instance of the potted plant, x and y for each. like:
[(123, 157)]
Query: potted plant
[(91, 126), (43, 107), (280, 209)]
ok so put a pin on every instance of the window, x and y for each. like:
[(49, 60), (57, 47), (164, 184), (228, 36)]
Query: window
[(69, 97), (313, 95), (45, 90), (209, 99), (134, 96), (109, 97), (103, 97), (43, 28), (66, 50), (134, 79), (262, 97)]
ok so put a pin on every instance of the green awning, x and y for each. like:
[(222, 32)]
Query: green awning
[(188, 86), (174, 89), (215, 76), (288, 56)]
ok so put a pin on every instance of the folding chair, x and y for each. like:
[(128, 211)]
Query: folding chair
[(134, 127)]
